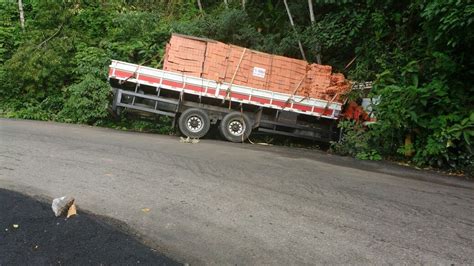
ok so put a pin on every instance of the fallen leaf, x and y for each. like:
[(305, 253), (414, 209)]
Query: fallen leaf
[(145, 210), (71, 211), (264, 144), (403, 164)]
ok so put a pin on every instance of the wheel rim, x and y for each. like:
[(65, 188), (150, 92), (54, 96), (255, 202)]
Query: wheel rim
[(194, 123), (236, 127)]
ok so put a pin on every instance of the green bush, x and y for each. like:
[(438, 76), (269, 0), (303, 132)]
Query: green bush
[(86, 101), (355, 141)]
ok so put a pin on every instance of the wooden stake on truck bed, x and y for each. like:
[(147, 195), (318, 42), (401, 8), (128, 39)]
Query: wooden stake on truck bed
[(290, 99), (233, 77)]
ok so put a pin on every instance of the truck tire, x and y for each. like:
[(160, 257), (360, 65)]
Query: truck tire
[(194, 123), (235, 127)]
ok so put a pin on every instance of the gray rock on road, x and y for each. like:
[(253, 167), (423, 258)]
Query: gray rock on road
[(61, 205)]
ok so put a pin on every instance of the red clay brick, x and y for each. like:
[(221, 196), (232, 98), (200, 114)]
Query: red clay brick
[(218, 61)]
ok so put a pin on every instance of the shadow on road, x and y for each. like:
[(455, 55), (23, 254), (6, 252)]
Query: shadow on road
[(31, 234)]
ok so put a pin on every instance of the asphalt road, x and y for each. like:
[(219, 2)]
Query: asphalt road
[(222, 203), (30, 234)]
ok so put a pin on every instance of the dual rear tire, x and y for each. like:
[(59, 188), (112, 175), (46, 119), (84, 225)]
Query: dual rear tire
[(194, 123), (234, 127)]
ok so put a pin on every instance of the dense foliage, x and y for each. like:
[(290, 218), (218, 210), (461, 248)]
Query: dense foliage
[(418, 52)]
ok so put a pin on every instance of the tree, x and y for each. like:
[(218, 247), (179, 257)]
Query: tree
[(313, 20), (22, 14), (294, 28), (199, 5), (311, 13)]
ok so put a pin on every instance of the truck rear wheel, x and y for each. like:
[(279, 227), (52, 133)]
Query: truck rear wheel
[(235, 127), (194, 123)]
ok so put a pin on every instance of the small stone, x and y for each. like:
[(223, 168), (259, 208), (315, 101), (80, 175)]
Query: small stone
[(61, 205)]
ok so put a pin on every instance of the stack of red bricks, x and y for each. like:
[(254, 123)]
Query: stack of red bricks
[(321, 83), (184, 55), (214, 66), (229, 63), (287, 75)]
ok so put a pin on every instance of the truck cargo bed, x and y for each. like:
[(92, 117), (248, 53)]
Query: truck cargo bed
[(183, 84)]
